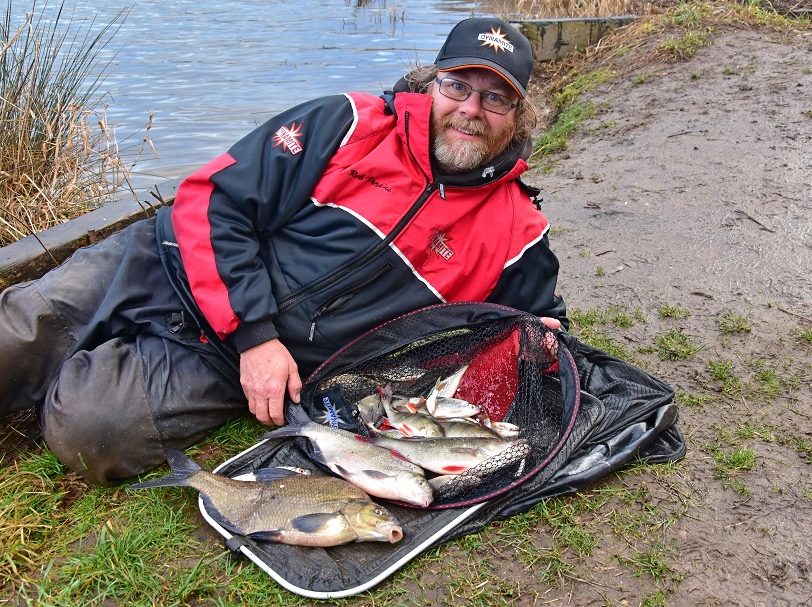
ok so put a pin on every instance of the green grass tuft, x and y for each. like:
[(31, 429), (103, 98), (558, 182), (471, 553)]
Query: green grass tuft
[(668, 311), (685, 46), (730, 322), (675, 345)]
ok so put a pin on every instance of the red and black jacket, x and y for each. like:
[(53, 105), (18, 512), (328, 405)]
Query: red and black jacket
[(330, 219)]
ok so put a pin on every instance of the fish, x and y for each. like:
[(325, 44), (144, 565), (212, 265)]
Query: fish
[(457, 427), (453, 455), (354, 458), (444, 388), (442, 407), (443, 483), (446, 407), (410, 424), (283, 506), (502, 429), (448, 387), (371, 409)]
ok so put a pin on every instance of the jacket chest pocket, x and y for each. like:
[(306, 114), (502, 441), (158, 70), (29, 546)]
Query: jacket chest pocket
[(341, 300)]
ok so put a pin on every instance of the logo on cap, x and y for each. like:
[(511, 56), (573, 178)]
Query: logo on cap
[(496, 40)]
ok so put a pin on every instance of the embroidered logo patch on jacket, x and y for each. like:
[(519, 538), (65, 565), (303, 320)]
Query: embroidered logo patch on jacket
[(288, 138), (439, 246)]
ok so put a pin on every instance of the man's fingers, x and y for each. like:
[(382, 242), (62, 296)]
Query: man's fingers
[(259, 407), (294, 387)]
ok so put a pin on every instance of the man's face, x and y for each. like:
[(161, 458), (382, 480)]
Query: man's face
[(464, 135)]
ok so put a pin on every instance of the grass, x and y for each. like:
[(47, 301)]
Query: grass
[(723, 373), (730, 323), (669, 311), (694, 400), (679, 48), (59, 156), (570, 112), (93, 546), (730, 463), (100, 544), (591, 326), (675, 345)]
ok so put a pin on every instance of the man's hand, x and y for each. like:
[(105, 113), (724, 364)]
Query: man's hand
[(551, 323), (266, 372), (549, 340)]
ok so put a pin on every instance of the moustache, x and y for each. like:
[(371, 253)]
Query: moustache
[(471, 127)]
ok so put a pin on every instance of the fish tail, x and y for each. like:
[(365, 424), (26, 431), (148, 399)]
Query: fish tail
[(182, 468), (297, 418)]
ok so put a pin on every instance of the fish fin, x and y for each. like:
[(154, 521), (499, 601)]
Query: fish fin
[(266, 475), (431, 400), (316, 454), (218, 517), (452, 469), (269, 535), (313, 523), (376, 474), (464, 450), (399, 455), (182, 468)]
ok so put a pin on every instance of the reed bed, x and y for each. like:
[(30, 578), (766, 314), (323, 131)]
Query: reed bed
[(542, 9), (58, 157)]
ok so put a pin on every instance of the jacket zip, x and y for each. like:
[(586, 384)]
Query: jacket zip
[(342, 298), (340, 273)]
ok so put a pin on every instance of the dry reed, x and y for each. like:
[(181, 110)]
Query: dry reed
[(58, 158)]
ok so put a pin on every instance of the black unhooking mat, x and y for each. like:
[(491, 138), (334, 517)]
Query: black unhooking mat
[(583, 413)]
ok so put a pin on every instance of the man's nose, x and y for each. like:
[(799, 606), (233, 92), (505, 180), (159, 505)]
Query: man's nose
[(472, 106)]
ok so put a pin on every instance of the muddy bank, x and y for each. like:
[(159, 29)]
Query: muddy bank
[(692, 188)]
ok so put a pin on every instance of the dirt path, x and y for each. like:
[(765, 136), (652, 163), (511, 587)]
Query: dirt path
[(692, 188)]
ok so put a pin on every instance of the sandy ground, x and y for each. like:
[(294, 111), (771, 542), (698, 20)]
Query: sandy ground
[(693, 188)]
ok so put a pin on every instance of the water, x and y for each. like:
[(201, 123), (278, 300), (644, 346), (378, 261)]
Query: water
[(211, 71)]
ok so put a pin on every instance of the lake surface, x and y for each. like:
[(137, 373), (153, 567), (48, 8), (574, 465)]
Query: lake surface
[(212, 70)]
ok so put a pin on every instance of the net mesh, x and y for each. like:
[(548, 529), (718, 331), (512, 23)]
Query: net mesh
[(509, 370)]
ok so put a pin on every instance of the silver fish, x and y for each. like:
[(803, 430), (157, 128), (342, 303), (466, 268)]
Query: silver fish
[(457, 427), (453, 455), (448, 387), (410, 424), (284, 506), (356, 459), (442, 407), (502, 429), (371, 409)]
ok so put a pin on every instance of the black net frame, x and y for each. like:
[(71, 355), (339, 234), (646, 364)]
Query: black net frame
[(411, 352)]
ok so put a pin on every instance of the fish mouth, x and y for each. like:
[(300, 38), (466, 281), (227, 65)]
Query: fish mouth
[(395, 535)]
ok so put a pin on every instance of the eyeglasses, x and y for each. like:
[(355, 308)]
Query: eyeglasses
[(460, 91)]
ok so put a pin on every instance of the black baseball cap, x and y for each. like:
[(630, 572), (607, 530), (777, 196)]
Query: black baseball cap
[(490, 43)]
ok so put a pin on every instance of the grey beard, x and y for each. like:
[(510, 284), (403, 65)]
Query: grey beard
[(458, 157)]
